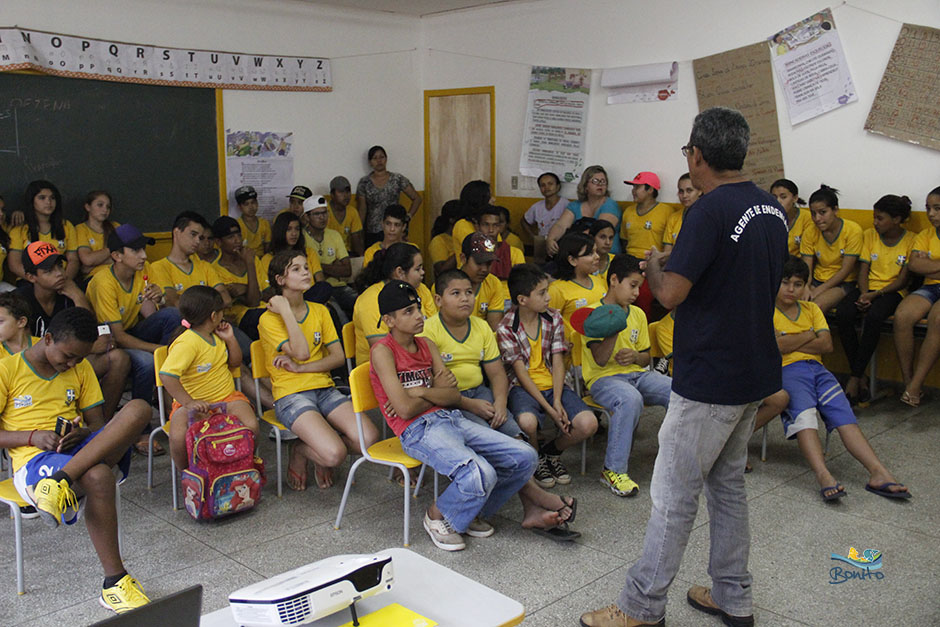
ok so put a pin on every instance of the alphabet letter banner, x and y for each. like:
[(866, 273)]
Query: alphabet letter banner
[(84, 57)]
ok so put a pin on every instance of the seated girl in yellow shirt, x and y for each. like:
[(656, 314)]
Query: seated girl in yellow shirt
[(92, 234), (196, 371), (301, 347), (576, 285)]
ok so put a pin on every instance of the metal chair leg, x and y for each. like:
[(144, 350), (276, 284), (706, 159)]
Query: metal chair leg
[(277, 443), (763, 445)]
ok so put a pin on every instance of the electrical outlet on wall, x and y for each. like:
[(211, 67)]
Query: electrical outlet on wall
[(514, 182)]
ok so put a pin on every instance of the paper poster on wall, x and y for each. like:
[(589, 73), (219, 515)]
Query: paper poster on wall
[(556, 122), (811, 67), (264, 160), (655, 82), (907, 105), (742, 79)]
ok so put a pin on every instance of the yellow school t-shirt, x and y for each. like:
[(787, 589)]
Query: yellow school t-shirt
[(168, 275), (602, 274), (86, 237), (19, 238), (317, 326), (368, 322), (673, 226), (30, 340), (112, 302), (642, 232), (809, 317), (441, 248), (567, 296), (255, 239), (313, 264), (237, 309), (490, 297), (828, 255), (927, 241), (463, 356), (513, 240), (351, 224), (802, 224), (201, 365), (515, 258), (635, 336), (374, 248), (541, 375), (664, 333), (29, 401), (462, 228), (885, 262), (331, 249)]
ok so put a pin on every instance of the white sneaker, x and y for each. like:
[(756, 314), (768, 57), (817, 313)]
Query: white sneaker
[(479, 528), (443, 535)]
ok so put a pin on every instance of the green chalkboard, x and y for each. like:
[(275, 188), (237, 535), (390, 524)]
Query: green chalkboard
[(154, 148)]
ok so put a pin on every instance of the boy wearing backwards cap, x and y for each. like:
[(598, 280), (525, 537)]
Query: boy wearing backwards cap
[(65, 466), (644, 223), (330, 249), (614, 360), (478, 253), (122, 297), (413, 389), (256, 232), (346, 223), (296, 199)]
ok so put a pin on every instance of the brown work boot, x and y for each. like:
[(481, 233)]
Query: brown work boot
[(611, 616), (701, 599)]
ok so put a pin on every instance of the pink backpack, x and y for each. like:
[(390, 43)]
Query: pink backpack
[(224, 476)]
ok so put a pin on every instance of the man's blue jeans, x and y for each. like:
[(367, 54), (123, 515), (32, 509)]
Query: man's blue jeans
[(485, 467), (700, 445), (156, 329), (624, 395), (510, 427)]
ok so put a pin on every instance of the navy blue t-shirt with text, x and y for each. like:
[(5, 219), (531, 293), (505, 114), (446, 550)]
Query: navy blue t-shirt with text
[(732, 248)]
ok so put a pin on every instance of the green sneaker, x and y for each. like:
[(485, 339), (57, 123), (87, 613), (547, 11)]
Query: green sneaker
[(123, 596), (53, 498), (619, 483)]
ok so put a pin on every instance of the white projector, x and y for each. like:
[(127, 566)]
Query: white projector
[(311, 592)]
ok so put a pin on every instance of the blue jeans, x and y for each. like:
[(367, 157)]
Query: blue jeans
[(700, 445), (485, 467), (624, 395), (510, 427), (157, 329)]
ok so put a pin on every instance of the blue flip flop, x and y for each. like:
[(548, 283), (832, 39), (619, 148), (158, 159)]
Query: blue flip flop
[(883, 490), (835, 496)]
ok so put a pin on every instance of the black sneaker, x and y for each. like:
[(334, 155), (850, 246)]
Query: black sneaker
[(543, 473), (558, 470)]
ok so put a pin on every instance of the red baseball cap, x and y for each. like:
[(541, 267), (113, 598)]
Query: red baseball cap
[(645, 178)]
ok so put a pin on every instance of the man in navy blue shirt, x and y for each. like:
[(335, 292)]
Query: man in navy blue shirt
[(722, 277)]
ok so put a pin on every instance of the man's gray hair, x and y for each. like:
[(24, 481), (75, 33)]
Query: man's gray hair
[(722, 135)]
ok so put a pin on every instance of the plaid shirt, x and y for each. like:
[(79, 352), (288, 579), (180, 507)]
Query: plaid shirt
[(514, 342)]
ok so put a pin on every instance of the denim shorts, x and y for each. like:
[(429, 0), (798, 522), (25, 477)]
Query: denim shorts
[(520, 402), (323, 401), (930, 292)]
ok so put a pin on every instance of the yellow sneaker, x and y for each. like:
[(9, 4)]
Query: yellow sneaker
[(53, 498), (123, 596), (619, 483)]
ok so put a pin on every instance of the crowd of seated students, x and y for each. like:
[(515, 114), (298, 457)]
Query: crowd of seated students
[(474, 375)]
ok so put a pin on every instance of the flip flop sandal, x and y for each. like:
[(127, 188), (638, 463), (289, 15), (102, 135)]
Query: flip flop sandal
[(295, 478), (561, 533), (573, 506), (911, 399), (883, 490), (835, 496), (141, 449)]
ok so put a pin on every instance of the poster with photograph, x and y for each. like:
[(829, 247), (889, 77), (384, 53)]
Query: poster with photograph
[(811, 67), (264, 160), (556, 122)]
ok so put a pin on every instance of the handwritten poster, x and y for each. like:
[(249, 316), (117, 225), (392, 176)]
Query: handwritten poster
[(907, 105), (556, 122), (264, 160), (741, 79), (811, 67)]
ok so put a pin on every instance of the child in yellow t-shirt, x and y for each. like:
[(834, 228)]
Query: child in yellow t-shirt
[(45, 222), (256, 232), (802, 337), (831, 251), (477, 255), (344, 220), (393, 231), (301, 347), (14, 319), (799, 221), (615, 356), (644, 222), (603, 233), (197, 373), (92, 234), (576, 285), (688, 194)]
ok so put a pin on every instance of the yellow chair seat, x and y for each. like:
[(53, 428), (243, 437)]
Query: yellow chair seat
[(271, 418), (590, 402), (8, 493), (390, 451)]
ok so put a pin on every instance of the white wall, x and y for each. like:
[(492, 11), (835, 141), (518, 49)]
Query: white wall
[(627, 138), (376, 98)]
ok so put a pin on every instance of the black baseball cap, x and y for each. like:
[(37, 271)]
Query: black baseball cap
[(396, 295), (225, 226), (128, 235), (300, 192), (245, 192)]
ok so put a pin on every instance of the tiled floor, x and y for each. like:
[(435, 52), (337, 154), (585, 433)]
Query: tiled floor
[(793, 534)]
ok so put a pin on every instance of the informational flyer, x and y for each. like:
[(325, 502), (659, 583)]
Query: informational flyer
[(264, 160), (556, 122), (811, 67)]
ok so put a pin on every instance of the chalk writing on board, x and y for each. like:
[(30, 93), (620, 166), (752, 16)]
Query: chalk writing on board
[(907, 105), (742, 79)]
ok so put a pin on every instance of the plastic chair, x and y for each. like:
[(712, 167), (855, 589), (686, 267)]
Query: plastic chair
[(386, 452), (259, 370), (576, 340), (11, 497), (349, 345), (655, 350)]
